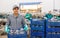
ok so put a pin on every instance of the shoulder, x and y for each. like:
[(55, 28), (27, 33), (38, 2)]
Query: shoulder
[(10, 15), (21, 16)]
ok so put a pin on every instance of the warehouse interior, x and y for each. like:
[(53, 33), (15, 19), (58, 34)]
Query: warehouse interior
[(42, 18)]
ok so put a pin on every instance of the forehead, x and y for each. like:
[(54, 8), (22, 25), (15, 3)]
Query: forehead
[(15, 9)]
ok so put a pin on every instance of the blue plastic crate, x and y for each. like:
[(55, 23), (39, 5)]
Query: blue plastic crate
[(37, 33), (52, 23), (35, 25), (52, 29), (52, 35), (38, 28), (49, 36), (37, 37), (56, 35), (52, 26), (39, 22), (17, 36)]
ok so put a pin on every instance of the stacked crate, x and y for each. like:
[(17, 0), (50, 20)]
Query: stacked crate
[(22, 35), (52, 29), (37, 28)]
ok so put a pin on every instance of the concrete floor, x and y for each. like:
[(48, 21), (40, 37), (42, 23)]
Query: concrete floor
[(4, 36)]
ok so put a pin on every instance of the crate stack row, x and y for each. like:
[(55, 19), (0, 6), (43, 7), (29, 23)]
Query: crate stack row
[(20, 34), (17, 36), (52, 29), (37, 28)]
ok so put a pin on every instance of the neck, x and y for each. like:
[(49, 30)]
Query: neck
[(16, 14)]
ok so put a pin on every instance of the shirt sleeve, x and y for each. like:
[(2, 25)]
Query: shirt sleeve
[(23, 22), (8, 21)]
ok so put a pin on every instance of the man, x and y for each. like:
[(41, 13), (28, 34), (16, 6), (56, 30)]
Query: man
[(15, 21), (49, 15), (58, 16), (28, 15)]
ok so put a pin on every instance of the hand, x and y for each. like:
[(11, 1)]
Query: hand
[(25, 27), (7, 29)]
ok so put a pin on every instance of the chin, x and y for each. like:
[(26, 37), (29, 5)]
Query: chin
[(16, 12)]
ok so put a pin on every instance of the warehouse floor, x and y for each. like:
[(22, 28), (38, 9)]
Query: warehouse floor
[(4, 36)]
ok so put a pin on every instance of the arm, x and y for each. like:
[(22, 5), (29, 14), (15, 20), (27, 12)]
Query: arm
[(8, 21), (7, 25), (23, 21), (45, 17), (24, 24)]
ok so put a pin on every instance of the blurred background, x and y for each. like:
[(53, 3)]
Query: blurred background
[(38, 8)]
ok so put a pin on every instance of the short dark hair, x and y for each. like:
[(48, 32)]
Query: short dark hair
[(15, 8)]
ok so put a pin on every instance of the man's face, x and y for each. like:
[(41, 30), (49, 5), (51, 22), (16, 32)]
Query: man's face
[(15, 10), (49, 12)]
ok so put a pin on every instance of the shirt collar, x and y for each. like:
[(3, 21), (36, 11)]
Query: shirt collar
[(15, 16)]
